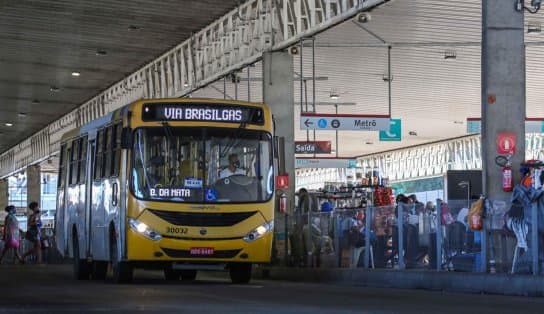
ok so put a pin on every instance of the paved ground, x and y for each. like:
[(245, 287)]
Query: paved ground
[(51, 289)]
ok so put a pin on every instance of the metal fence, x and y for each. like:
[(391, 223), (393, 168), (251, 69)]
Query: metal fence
[(408, 236)]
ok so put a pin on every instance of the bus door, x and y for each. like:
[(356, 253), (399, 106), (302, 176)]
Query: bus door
[(91, 154), (97, 201), (60, 215)]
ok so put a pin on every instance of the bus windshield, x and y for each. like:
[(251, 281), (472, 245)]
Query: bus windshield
[(202, 165)]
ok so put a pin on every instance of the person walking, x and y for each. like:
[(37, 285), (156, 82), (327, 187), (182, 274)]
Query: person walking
[(33, 233), (11, 234)]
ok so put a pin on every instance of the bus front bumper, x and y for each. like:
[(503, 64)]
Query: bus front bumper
[(140, 248)]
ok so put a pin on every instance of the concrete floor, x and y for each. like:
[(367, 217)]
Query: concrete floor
[(51, 289)]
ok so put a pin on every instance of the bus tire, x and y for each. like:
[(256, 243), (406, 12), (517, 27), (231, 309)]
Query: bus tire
[(121, 271), (171, 274), (81, 266), (188, 275), (100, 270), (240, 272)]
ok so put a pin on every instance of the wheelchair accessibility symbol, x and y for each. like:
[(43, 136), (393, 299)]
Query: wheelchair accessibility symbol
[(211, 195)]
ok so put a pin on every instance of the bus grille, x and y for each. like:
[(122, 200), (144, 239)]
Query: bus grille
[(187, 253), (202, 219)]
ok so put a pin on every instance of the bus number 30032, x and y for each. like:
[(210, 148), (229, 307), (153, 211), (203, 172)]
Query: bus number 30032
[(177, 230)]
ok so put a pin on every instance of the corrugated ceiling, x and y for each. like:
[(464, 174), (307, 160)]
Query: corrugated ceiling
[(42, 42)]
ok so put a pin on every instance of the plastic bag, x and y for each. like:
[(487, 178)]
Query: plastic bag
[(474, 217)]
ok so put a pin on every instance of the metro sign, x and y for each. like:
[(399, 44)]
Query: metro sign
[(349, 122)]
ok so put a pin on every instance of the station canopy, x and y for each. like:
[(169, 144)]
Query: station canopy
[(435, 64)]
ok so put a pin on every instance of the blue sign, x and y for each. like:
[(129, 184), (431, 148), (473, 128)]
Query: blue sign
[(531, 126), (211, 195), (474, 126), (394, 133), (322, 123)]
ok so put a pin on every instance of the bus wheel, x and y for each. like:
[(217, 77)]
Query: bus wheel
[(171, 274), (188, 275), (81, 266), (240, 272), (122, 271), (100, 270)]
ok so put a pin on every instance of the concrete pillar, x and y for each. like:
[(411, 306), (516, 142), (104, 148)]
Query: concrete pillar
[(3, 194), (503, 89), (33, 184), (278, 93)]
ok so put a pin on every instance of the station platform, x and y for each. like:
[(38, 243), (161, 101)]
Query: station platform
[(479, 283)]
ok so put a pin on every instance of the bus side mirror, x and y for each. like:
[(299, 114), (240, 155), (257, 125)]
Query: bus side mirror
[(126, 138)]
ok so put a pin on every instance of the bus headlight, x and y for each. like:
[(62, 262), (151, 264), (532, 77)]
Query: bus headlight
[(259, 232), (144, 229)]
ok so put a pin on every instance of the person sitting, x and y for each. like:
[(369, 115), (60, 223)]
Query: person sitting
[(233, 168)]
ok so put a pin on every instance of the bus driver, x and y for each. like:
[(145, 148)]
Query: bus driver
[(233, 168)]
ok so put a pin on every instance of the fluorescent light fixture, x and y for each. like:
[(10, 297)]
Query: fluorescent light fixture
[(334, 96), (76, 74), (450, 54), (534, 28), (9, 124)]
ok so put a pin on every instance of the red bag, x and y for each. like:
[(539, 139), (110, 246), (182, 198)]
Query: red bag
[(445, 215)]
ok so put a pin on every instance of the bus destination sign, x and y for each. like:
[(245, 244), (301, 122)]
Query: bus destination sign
[(202, 112)]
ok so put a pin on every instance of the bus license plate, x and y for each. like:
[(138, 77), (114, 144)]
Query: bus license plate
[(202, 251)]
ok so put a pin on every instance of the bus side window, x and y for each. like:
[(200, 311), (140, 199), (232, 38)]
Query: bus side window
[(62, 166), (74, 158), (98, 155), (82, 160), (116, 158), (108, 152)]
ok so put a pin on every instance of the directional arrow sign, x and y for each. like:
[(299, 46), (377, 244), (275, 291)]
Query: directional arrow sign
[(323, 121)]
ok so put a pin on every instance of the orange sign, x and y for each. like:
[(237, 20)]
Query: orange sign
[(506, 143)]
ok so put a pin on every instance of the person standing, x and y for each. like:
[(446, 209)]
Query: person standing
[(11, 234), (33, 233)]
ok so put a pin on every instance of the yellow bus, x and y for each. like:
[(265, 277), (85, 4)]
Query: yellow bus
[(179, 185)]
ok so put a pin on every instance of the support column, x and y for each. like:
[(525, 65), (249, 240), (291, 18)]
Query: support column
[(278, 93), (503, 89), (33, 184), (503, 101), (3, 194)]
